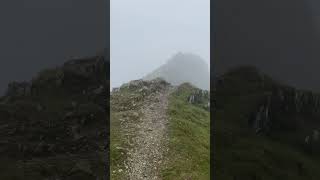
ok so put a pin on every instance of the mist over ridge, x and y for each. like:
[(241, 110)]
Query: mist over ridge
[(181, 68), (143, 37)]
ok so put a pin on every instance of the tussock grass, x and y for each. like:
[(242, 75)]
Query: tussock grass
[(189, 139)]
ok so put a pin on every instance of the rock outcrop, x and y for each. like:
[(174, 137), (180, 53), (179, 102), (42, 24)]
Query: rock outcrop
[(58, 120), (259, 121), (276, 108), (285, 101), (200, 97)]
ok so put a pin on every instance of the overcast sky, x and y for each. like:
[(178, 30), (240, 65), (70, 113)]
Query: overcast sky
[(280, 37), (37, 34), (145, 33)]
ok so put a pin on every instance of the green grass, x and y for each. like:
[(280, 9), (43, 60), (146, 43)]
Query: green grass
[(117, 156), (189, 132), (118, 135), (189, 139)]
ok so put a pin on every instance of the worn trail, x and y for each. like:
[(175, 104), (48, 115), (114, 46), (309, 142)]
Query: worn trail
[(150, 141)]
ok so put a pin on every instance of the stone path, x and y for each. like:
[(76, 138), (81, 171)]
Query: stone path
[(150, 142)]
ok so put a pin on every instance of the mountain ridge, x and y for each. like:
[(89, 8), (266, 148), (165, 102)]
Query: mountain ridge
[(268, 129), (152, 123), (55, 126), (183, 67)]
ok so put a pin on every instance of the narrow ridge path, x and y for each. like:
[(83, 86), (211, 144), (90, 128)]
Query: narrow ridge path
[(150, 143)]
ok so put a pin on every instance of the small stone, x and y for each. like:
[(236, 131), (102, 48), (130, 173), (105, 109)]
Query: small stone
[(135, 114)]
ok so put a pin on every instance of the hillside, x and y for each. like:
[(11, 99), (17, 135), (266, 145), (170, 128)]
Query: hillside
[(181, 68), (55, 126), (264, 129), (159, 131)]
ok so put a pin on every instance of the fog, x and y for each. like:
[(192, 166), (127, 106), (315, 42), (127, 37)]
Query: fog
[(37, 34), (146, 33), (280, 37)]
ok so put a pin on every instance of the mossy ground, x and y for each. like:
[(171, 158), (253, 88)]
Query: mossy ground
[(189, 139)]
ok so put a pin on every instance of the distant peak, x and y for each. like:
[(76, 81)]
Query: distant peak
[(183, 67)]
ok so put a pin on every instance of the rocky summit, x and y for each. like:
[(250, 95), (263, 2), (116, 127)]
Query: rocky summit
[(55, 126), (181, 68)]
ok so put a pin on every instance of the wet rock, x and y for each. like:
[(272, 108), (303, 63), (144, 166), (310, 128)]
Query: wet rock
[(201, 98)]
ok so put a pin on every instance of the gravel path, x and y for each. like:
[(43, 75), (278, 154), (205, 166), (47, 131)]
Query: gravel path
[(145, 159)]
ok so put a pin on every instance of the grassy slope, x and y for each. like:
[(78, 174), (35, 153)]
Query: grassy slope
[(189, 137), (118, 136), (189, 145), (116, 155), (240, 154)]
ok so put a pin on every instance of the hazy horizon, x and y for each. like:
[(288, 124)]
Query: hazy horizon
[(145, 34)]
